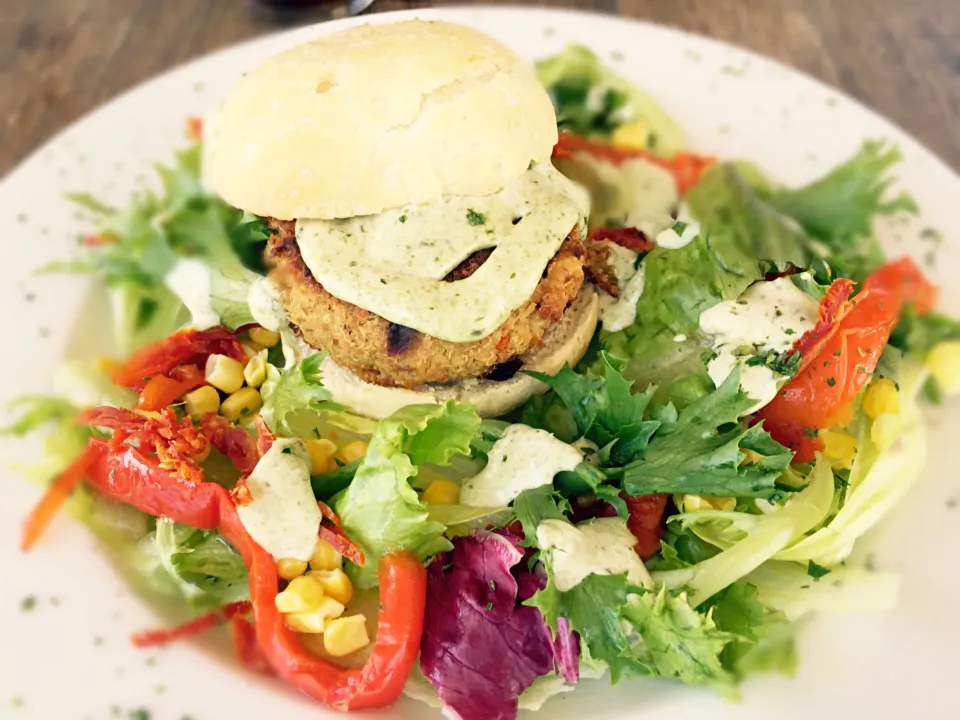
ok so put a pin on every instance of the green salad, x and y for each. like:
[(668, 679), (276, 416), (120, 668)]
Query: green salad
[(750, 405)]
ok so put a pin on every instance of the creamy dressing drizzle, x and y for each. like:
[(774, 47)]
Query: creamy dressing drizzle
[(284, 517), (393, 263), (620, 312), (190, 280), (769, 316), (522, 459), (597, 547), (636, 193), (264, 301)]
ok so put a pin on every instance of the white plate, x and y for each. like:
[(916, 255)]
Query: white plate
[(70, 657)]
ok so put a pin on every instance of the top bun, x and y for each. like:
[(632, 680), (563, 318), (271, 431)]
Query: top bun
[(378, 117)]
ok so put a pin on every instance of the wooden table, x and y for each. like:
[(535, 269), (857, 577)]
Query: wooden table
[(61, 58)]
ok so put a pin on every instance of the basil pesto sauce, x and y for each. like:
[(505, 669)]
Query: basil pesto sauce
[(393, 263)]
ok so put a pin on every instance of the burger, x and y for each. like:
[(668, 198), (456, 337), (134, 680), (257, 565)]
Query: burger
[(421, 236)]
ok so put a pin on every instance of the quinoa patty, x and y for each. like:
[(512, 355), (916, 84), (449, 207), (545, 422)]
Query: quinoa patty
[(384, 353)]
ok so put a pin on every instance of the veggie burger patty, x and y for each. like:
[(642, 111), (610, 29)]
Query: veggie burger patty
[(387, 354)]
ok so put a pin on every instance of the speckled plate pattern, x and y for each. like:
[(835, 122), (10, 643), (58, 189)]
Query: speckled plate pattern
[(67, 615)]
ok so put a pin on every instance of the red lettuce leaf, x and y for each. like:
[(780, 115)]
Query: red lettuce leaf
[(481, 648)]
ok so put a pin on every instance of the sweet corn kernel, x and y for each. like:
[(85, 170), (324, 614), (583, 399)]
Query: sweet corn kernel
[(302, 595), (244, 401), (885, 430), (335, 584), (881, 397), (325, 557), (264, 337), (442, 492), (839, 447), (250, 348), (353, 451), (321, 455), (943, 362), (315, 621), (255, 373), (224, 373), (346, 635), (290, 568), (201, 401), (692, 503), (631, 135), (105, 365)]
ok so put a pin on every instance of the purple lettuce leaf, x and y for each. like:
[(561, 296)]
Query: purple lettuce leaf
[(481, 648)]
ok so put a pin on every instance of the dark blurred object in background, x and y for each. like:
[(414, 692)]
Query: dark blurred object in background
[(293, 12)]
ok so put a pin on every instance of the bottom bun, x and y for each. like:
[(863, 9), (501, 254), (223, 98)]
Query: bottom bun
[(565, 342)]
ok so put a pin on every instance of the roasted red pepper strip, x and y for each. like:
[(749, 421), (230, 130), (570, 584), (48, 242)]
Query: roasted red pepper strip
[(645, 521), (833, 308), (232, 441), (328, 513), (265, 438), (128, 475), (342, 544), (187, 347), (630, 238), (841, 358), (686, 168), (162, 391)]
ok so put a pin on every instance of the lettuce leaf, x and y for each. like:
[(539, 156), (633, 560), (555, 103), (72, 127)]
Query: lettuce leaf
[(592, 100), (665, 346), (765, 638), (655, 449), (695, 455), (879, 479), (729, 208), (839, 209), (139, 245), (789, 587), (198, 565), (480, 648), (379, 510), (295, 389), (639, 633), (770, 535), (917, 334)]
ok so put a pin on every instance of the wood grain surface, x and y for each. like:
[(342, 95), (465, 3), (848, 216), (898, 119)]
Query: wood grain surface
[(61, 58)]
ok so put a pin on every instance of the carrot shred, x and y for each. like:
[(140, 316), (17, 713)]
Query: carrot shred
[(195, 128), (56, 495), (202, 623)]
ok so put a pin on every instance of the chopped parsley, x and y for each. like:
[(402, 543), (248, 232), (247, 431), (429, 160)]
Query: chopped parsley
[(831, 381), (493, 585), (28, 603), (785, 363), (403, 218), (679, 226), (475, 218), (489, 607), (810, 432), (816, 571), (139, 714)]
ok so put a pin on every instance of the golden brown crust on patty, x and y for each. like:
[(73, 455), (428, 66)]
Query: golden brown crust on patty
[(387, 354)]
